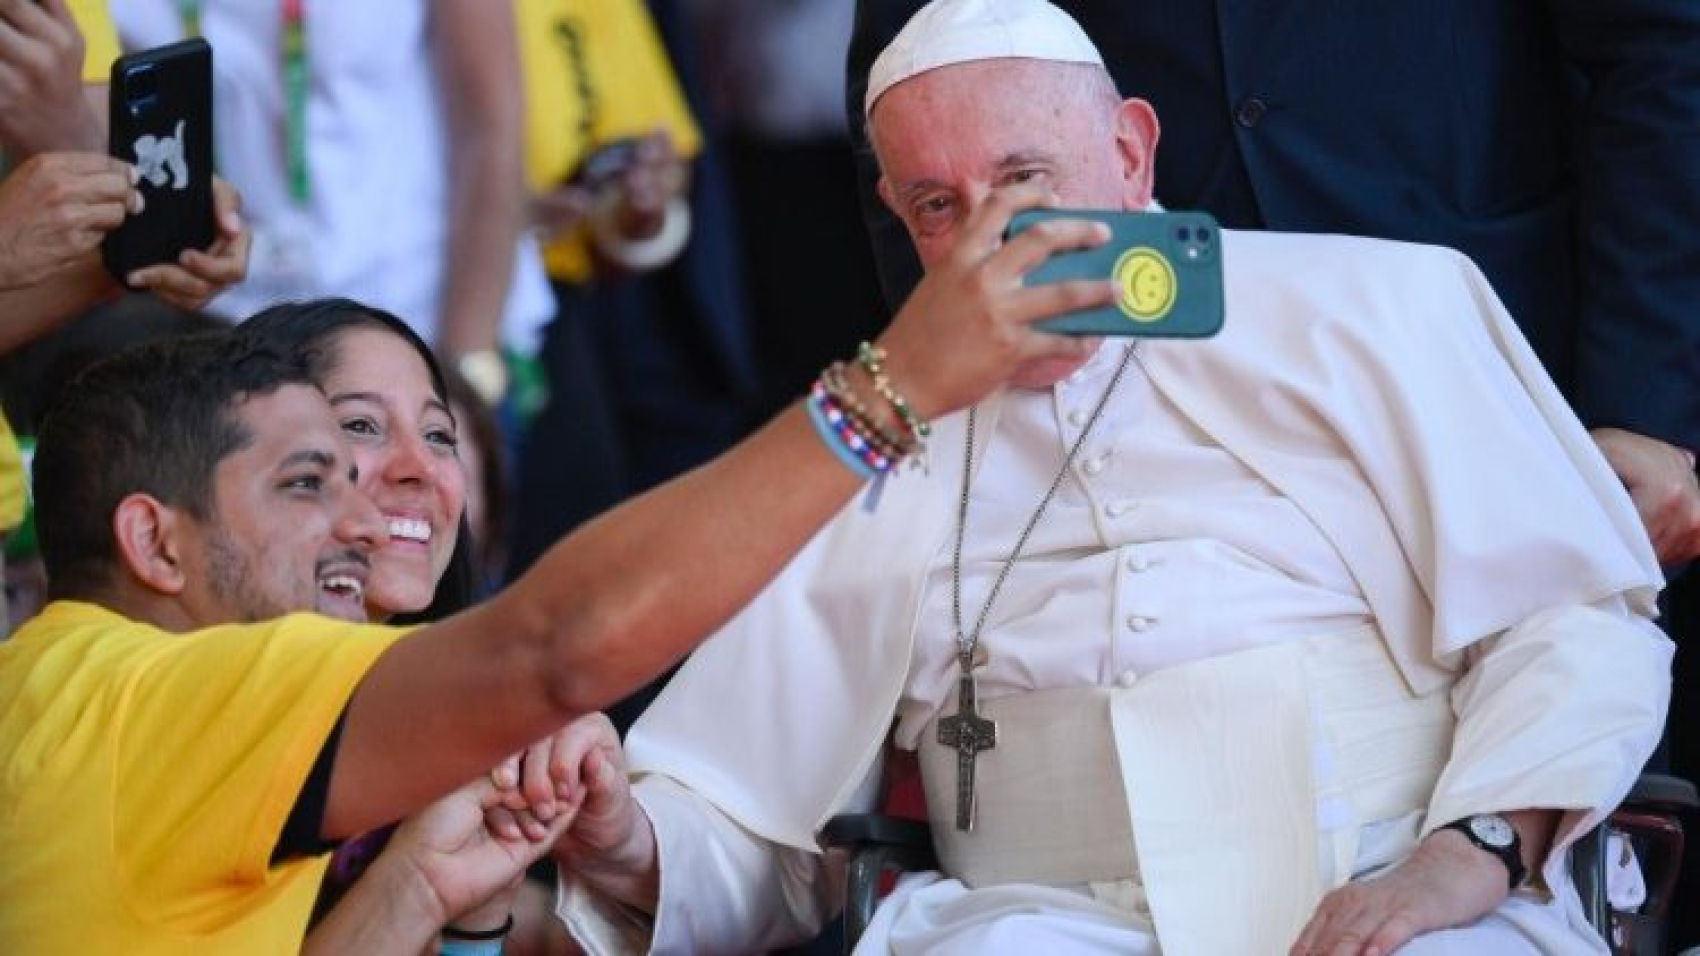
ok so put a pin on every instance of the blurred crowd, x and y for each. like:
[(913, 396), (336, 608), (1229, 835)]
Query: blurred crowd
[(566, 199)]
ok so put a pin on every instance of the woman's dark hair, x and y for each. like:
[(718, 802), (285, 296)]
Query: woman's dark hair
[(480, 422), (309, 329)]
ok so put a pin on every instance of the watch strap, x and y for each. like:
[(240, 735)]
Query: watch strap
[(1511, 854), (486, 370)]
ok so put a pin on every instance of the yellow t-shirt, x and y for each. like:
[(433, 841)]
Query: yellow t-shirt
[(13, 494), (595, 72), (145, 777), (100, 38)]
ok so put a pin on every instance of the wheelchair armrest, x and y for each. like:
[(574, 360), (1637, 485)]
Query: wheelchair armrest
[(877, 843), (1664, 792), (855, 830), (1649, 817)]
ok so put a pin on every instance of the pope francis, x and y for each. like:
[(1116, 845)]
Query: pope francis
[(1328, 634)]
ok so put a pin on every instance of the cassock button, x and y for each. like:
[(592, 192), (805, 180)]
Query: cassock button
[(1251, 112), (1137, 623), (1095, 465), (1077, 418), (1126, 679), (1116, 509), (1137, 562)]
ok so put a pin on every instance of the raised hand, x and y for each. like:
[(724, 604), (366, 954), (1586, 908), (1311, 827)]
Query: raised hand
[(55, 209), (42, 106), (199, 275), (968, 325), (656, 176)]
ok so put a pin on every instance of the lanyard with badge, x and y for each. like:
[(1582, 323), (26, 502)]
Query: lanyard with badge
[(281, 263)]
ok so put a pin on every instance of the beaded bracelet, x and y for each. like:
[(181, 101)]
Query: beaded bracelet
[(818, 405), (853, 433), (838, 386), (850, 435), (872, 358)]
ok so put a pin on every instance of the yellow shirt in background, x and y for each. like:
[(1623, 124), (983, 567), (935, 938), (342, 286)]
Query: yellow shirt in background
[(13, 494), (100, 38), (595, 72), (145, 778)]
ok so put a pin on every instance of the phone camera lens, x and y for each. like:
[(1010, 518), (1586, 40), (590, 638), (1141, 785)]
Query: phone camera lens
[(1183, 233), (1203, 234), (141, 87)]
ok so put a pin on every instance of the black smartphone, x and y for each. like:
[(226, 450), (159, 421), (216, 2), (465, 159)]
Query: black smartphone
[(1167, 267), (160, 113)]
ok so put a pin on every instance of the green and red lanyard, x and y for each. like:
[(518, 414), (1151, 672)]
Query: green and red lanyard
[(295, 82)]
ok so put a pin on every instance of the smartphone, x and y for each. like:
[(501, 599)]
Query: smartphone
[(605, 164), (1167, 267), (160, 113)]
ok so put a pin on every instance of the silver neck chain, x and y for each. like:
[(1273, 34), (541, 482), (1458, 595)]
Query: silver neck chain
[(967, 643)]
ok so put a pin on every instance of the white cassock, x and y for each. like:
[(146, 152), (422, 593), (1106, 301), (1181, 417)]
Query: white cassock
[(1346, 572)]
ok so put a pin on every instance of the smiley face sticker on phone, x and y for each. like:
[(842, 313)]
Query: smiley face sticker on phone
[(1145, 283)]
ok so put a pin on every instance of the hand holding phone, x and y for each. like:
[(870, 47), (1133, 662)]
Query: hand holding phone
[(161, 122), (1167, 267), (605, 164)]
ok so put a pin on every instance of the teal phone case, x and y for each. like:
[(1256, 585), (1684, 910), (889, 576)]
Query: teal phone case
[(1167, 267)]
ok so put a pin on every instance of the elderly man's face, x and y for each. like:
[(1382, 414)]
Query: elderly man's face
[(289, 530), (949, 138)]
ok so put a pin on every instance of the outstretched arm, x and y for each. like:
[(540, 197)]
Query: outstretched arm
[(624, 597)]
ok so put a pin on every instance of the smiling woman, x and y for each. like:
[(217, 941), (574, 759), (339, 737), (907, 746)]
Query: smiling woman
[(392, 405), (391, 402)]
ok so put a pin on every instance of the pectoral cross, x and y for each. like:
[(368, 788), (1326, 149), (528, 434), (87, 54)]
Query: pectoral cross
[(968, 733)]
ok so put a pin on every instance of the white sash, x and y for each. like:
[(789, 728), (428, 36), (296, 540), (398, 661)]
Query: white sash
[(1216, 770)]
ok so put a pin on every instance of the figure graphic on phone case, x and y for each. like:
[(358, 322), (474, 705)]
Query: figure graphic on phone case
[(156, 157)]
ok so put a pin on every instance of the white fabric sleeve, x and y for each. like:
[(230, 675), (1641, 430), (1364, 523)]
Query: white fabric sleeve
[(1559, 712), (723, 889)]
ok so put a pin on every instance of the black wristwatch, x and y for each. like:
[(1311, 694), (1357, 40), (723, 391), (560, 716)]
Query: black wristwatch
[(1495, 834)]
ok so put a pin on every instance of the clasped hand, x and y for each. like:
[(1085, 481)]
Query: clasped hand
[(473, 847)]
